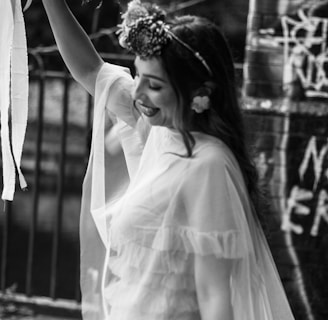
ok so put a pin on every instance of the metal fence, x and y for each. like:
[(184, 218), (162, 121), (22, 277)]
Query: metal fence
[(39, 247)]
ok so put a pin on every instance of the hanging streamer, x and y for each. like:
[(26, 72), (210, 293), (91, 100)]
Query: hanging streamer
[(27, 5), (13, 92)]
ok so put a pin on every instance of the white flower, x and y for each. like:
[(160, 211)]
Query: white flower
[(199, 104)]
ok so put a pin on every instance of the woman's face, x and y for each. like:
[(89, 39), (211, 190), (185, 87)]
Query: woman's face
[(153, 92)]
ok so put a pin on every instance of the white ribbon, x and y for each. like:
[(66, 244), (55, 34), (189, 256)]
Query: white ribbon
[(13, 92), (27, 5)]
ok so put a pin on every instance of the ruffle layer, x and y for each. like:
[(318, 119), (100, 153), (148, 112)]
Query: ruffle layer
[(141, 300), (151, 260), (169, 262), (227, 244), (183, 241), (152, 280)]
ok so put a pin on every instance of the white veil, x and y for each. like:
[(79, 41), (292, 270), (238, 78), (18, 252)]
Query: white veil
[(257, 292)]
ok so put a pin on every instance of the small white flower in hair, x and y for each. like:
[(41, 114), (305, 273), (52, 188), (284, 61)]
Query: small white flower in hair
[(199, 104)]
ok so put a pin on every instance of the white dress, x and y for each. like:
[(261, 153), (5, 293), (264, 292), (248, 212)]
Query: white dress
[(165, 210)]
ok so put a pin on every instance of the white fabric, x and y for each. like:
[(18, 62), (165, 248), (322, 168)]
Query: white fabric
[(13, 92), (27, 4), (173, 211), (105, 181)]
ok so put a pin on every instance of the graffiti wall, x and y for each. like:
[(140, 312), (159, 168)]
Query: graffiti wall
[(287, 52), (286, 94), (292, 157)]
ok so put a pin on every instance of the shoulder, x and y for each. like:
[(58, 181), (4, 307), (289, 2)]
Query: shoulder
[(212, 153), (213, 164)]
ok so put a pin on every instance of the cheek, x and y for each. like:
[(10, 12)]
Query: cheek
[(170, 101)]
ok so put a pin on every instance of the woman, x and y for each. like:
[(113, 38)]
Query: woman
[(177, 236)]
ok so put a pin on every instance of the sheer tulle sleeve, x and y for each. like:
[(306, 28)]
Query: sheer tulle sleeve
[(106, 179), (214, 217), (208, 214), (115, 86)]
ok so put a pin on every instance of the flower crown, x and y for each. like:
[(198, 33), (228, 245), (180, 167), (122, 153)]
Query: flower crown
[(144, 32), (148, 37)]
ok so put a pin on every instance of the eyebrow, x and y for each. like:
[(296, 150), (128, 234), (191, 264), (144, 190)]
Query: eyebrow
[(154, 77)]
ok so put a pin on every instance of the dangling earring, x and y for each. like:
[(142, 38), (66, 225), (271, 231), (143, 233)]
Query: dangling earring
[(201, 97)]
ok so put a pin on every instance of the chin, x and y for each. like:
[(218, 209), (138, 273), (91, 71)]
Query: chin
[(158, 121), (154, 121)]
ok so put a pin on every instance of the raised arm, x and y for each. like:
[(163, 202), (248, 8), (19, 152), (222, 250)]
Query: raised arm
[(77, 50)]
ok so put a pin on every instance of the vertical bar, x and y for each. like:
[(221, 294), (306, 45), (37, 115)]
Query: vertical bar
[(60, 190), (95, 20), (89, 112), (4, 246), (33, 221), (89, 127), (77, 279)]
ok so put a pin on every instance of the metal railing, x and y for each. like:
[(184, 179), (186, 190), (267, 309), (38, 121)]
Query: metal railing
[(54, 161)]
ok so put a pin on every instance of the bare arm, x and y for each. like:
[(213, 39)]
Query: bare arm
[(77, 50), (212, 278)]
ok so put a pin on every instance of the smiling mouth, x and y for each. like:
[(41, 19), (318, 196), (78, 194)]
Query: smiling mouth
[(148, 111)]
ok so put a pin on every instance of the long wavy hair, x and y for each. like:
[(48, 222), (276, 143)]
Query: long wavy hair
[(224, 119)]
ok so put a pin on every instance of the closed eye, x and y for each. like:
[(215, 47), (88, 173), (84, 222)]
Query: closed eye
[(154, 87)]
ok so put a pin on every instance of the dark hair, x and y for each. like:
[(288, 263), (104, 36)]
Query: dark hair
[(224, 118)]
